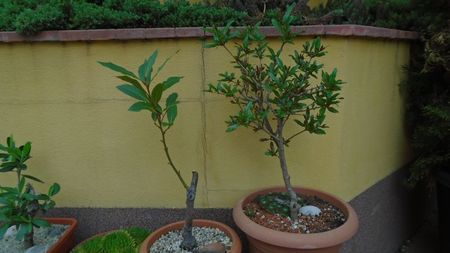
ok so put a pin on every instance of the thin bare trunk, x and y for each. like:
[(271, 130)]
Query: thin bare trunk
[(189, 242), (294, 206), (28, 240)]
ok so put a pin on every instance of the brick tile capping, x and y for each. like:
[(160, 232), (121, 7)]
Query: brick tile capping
[(197, 32)]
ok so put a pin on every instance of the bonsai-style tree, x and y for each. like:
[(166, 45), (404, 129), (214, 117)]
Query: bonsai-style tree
[(141, 87), (20, 204), (270, 93)]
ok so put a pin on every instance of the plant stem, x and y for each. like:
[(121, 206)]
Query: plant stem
[(189, 241), (294, 206), (28, 240), (166, 151)]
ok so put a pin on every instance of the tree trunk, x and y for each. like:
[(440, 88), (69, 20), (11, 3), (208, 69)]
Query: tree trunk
[(189, 242), (294, 206), (28, 240)]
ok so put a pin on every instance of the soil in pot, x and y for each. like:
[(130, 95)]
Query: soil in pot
[(170, 242), (44, 239), (271, 210)]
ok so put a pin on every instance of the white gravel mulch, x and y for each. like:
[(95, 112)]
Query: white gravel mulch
[(170, 242)]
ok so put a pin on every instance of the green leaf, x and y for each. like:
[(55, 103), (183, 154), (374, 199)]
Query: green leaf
[(41, 223), (277, 25), (130, 80), (3, 230), (164, 63), (118, 68), (24, 229), (172, 114), (54, 189), (26, 150), (319, 131), (332, 109), (232, 127), (171, 81), (146, 69), (139, 106), (157, 92), (21, 184), (10, 142), (132, 91), (8, 166), (171, 100), (33, 178), (288, 13)]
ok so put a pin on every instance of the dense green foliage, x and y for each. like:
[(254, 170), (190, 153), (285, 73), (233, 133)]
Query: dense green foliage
[(121, 241), (428, 89), (31, 16), (20, 204)]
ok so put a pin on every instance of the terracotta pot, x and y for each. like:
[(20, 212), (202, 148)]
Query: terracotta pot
[(153, 237), (266, 240), (67, 241)]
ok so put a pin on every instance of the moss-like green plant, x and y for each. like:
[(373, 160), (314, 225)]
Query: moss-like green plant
[(137, 234), (122, 241), (118, 242), (94, 245)]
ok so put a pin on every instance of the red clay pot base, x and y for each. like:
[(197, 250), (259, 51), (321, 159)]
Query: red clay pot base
[(265, 240), (67, 241), (153, 237)]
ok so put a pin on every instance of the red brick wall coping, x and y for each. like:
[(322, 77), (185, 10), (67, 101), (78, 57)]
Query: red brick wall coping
[(197, 32)]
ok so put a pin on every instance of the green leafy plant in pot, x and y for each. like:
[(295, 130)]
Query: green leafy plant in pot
[(163, 116), (143, 88), (270, 94), (20, 204)]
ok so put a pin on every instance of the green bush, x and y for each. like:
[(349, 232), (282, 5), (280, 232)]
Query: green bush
[(49, 16), (92, 16), (32, 16)]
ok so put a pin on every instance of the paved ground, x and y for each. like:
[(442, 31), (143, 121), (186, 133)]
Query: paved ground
[(424, 241)]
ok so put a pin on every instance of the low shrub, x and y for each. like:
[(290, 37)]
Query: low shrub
[(32, 16)]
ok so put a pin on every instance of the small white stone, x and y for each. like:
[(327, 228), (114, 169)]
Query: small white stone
[(11, 232), (37, 249), (310, 211)]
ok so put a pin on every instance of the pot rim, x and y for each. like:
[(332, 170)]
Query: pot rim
[(235, 248), (72, 222), (293, 240)]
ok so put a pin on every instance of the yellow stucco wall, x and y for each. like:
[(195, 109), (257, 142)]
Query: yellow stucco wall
[(57, 96)]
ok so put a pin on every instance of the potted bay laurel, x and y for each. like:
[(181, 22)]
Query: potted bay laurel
[(270, 94), (21, 229), (182, 235)]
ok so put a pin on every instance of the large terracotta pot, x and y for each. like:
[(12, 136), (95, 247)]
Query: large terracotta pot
[(266, 240), (67, 240), (235, 248)]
